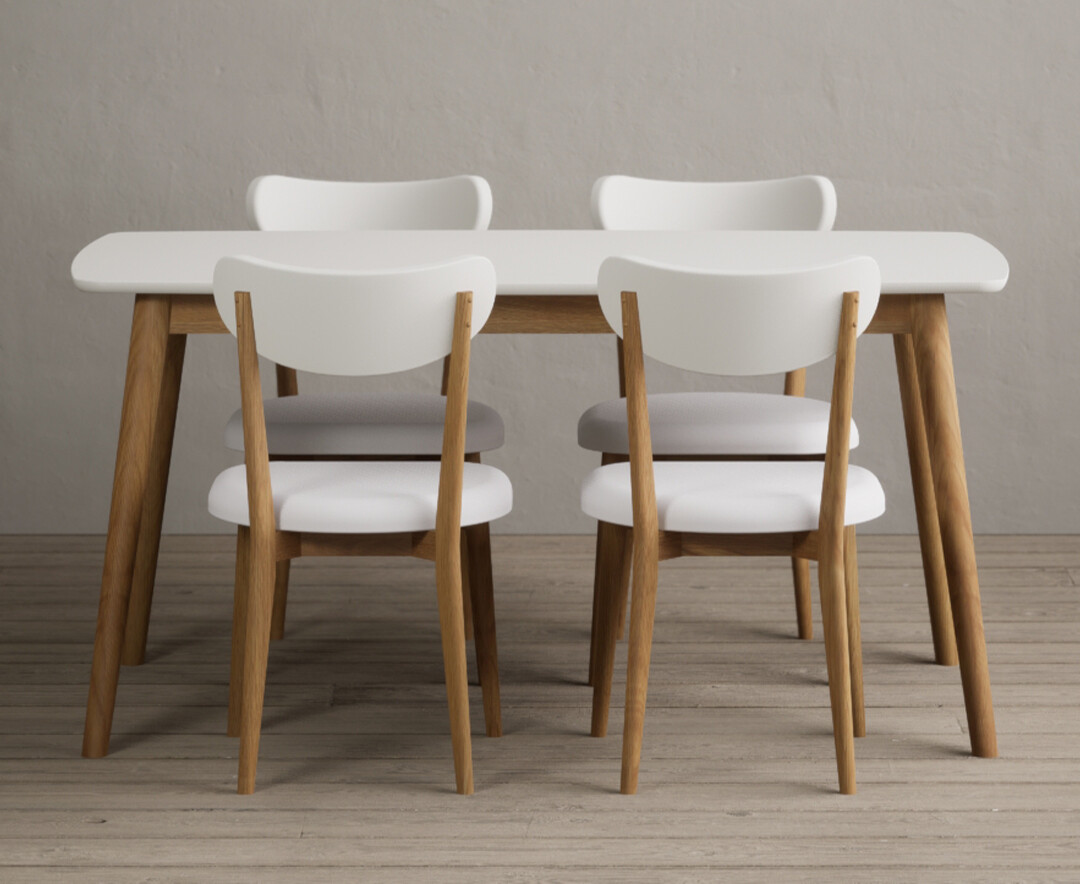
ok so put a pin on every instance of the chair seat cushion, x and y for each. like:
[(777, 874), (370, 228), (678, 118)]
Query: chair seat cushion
[(715, 423), (361, 497), (341, 424), (731, 497)]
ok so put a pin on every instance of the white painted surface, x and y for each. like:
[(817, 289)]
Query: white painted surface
[(353, 323), (718, 422), (134, 115), (361, 497), (282, 202), (801, 202), (731, 497), (768, 322), (369, 423), (541, 262)]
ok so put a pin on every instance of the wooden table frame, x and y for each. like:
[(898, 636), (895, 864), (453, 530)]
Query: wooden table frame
[(159, 330)]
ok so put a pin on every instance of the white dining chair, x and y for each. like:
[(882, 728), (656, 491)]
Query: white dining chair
[(717, 424), (357, 424), (733, 324), (364, 424), (357, 324), (281, 202), (802, 202)]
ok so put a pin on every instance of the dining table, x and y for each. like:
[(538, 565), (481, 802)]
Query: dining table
[(546, 283)]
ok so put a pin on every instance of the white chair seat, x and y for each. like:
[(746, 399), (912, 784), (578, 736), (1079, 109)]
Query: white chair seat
[(731, 497), (341, 424), (361, 497), (715, 423)]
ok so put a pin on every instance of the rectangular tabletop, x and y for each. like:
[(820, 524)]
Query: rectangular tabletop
[(537, 262)]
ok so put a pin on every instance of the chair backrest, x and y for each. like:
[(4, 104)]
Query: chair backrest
[(354, 323), (738, 323), (278, 202), (805, 202)]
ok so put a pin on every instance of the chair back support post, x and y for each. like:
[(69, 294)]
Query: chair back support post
[(448, 539), (262, 547), (643, 490), (645, 553), (256, 457), (831, 561), (448, 513), (834, 481)]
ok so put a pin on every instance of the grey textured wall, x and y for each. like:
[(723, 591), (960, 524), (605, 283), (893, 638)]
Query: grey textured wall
[(145, 114)]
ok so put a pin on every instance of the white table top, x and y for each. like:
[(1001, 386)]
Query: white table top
[(537, 262)]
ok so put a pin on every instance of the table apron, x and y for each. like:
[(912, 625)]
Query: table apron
[(521, 314)]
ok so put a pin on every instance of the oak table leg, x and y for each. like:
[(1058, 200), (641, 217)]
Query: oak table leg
[(146, 553), (922, 483), (142, 388), (933, 362)]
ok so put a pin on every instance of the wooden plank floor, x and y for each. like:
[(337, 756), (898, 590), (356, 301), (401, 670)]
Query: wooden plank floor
[(738, 778)]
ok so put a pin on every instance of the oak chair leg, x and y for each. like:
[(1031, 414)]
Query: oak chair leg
[(288, 384), (834, 624), (623, 599), (611, 565), (922, 484), (142, 387), (804, 617), (281, 599), (795, 385), (642, 615), (241, 588), (260, 601), (466, 590), (591, 680), (466, 559), (482, 590), (937, 384), (620, 353), (601, 556), (157, 481), (854, 629), (451, 624)]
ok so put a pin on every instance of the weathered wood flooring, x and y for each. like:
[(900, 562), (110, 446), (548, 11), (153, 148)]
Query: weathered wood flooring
[(738, 779)]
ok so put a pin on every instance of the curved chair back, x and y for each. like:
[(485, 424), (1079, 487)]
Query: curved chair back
[(805, 202), (358, 323), (738, 323), (278, 202)]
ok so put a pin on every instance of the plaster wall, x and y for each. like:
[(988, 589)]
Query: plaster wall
[(136, 115)]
